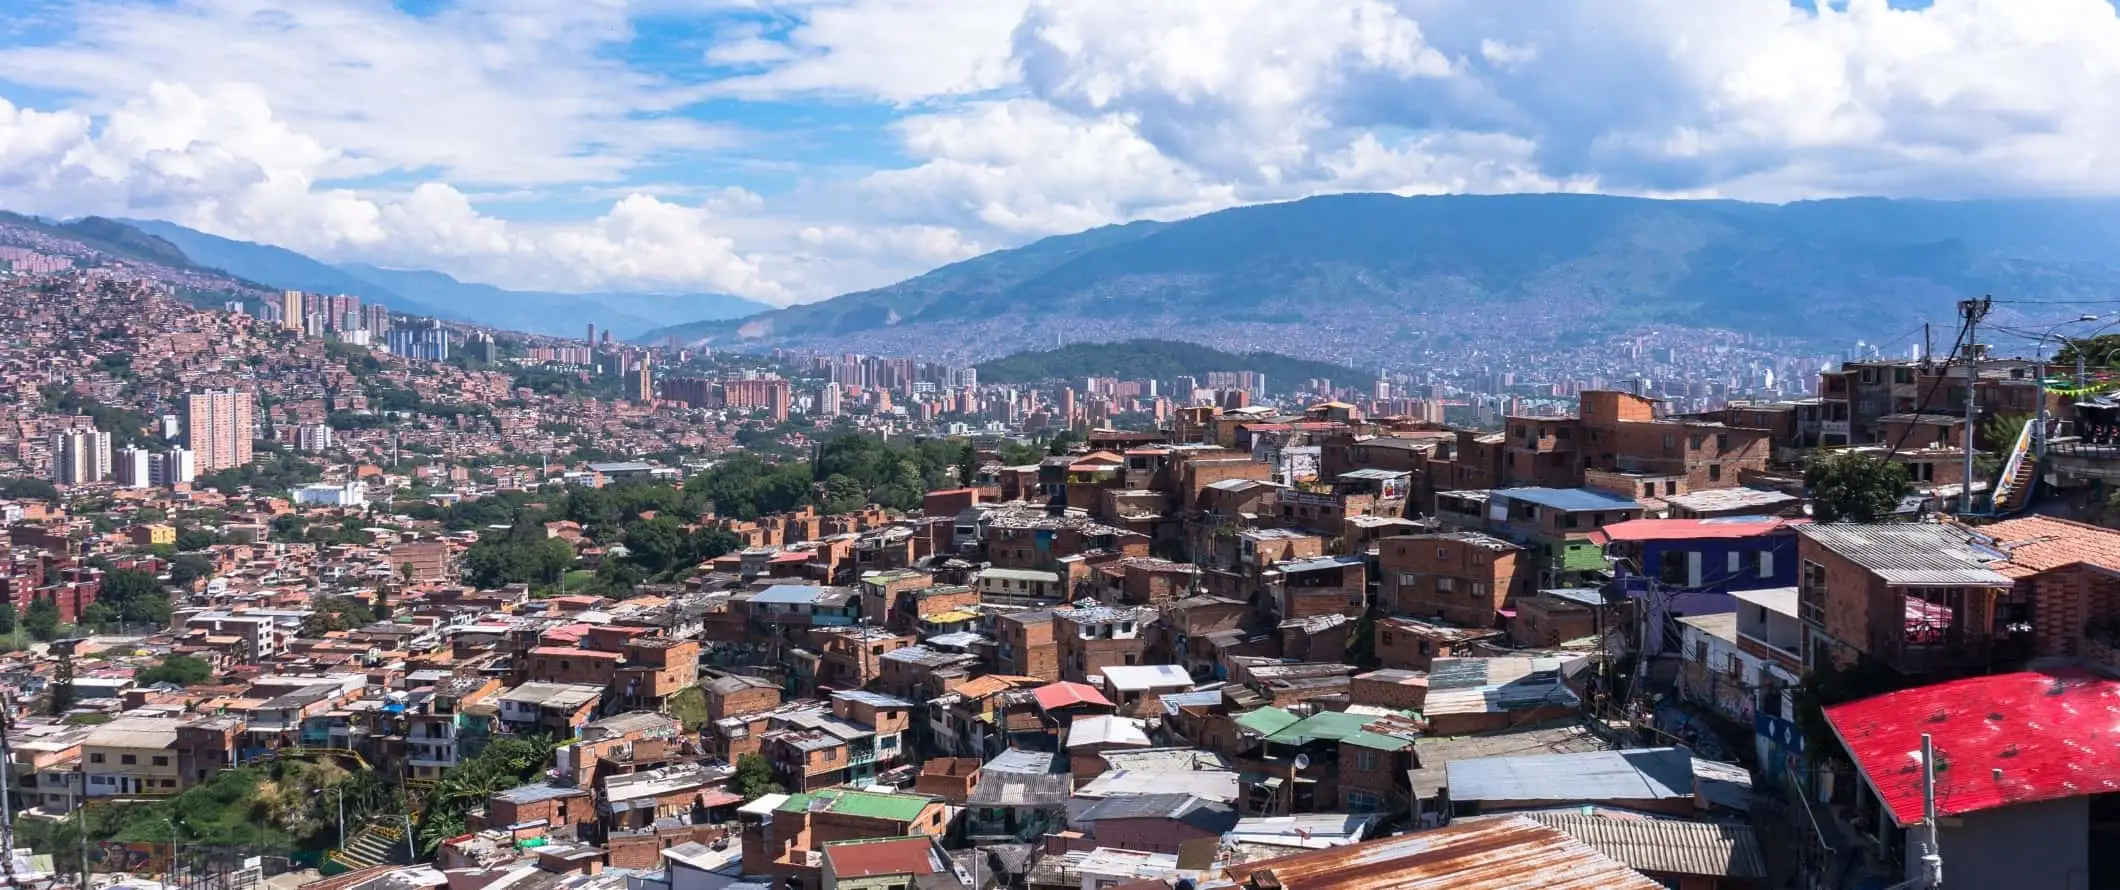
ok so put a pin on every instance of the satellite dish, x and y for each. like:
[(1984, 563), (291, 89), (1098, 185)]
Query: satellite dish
[(1302, 762)]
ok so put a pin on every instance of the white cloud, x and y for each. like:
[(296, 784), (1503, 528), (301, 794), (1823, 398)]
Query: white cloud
[(490, 91), (351, 130), (898, 51)]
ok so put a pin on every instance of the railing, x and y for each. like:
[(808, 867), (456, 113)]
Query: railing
[(2014, 479)]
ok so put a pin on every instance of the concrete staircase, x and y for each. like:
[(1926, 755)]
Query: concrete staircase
[(377, 843)]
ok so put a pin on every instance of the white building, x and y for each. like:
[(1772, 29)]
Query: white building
[(134, 468), (325, 494), (177, 466), (80, 457), (313, 437)]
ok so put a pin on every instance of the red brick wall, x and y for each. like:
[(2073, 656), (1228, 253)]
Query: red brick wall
[(1462, 563), (1385, 693)]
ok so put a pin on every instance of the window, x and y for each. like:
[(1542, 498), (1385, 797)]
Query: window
[(1811, 593), (1736, 562), (1722, 441), (1445, 585), (1442, 553), (1479, 589), (1408, 579), (1387, 638), (95, 758), (1365, 759), (161, 761), (1715, 472), (1766, 563), (1670, 486), (128, 759)]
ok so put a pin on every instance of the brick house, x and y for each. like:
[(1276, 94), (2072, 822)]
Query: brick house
[(1089, 640), (1460, 577), (735, 696), (1911, 595), (1026, 647)]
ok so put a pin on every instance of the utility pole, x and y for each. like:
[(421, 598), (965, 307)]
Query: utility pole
[(1974, 311)]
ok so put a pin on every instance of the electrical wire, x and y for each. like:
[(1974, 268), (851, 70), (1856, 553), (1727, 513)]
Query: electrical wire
[(1971, 383)]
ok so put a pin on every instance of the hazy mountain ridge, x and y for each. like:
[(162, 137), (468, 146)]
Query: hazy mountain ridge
[(422, 292), (1372, 266)]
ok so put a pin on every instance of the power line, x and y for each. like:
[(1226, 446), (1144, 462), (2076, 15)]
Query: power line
[(1924, 400)]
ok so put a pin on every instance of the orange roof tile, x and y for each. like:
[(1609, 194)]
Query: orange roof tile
[(2042, 543)]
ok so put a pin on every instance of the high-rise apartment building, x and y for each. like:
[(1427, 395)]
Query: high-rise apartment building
[(177, 466), (135, 468), (643, 389), (291, 313), (313, 437), (421, 340), (376, 318), (80, 457), (828, 401), (218, 427)]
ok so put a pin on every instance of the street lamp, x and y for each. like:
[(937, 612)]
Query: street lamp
[(2039, 431)]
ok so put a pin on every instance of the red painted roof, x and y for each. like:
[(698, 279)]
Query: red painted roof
[(566, 633), (2000, 740), (1063, 694), (898, 856), (567, 651), (1696, 529)]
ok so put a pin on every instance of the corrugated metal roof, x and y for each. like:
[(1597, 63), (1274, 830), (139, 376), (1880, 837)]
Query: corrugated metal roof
[(1568, 499), (2000, 740), (1641, 774), (1486, 685), (1483, 854), (1668, 846), (1908, 553), (1140, 677)]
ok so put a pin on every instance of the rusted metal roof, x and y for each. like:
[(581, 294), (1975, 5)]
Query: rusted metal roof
[(1510, 853)]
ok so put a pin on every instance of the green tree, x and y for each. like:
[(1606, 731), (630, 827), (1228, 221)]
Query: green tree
[(754, 777), (7, 617), (29, 489), (134, 598), (968, 465), (708, 543), (337, 613), (41, 619), (187, 568), (193, 538), (182, 670), (62, 696), (658, 544), (1850, 487)]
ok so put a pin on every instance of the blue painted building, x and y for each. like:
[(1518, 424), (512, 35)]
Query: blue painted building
[(1684, 567)]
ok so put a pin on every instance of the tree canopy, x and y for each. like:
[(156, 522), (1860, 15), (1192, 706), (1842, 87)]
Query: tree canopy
[(1850, 487), (182, 670)]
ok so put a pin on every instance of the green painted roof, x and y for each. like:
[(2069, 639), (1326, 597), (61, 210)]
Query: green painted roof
[(895, 807), (1337, 726), (1377, 742), (1334, 725), (795, 803), (1266, 721)]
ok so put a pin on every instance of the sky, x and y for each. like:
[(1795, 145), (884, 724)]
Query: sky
[(792, 150)]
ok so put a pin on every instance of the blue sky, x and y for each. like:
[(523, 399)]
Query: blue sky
[(789, 150)]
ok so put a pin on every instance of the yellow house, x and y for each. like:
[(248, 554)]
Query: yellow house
[(132, 757), (151, 534)]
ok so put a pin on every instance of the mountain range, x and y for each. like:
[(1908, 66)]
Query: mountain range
[(1370, 279), (436, 294)]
